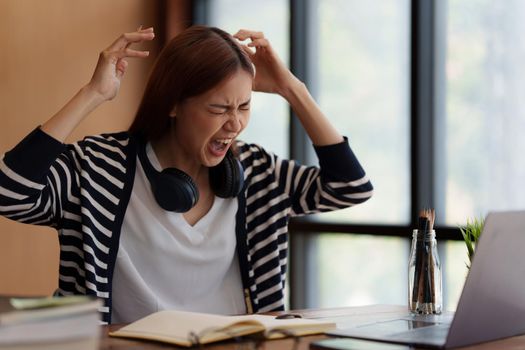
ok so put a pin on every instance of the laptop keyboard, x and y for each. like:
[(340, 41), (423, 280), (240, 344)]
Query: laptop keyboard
[(400, 330), (435, 334), (400, 326)]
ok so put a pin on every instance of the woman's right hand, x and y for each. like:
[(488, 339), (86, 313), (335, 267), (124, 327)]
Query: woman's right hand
[(103, 86), (112, 63)]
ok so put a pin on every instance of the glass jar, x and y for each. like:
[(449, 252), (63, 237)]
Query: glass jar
[(424, 275)]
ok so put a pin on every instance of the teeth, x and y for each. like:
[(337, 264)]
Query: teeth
[(224, 141)]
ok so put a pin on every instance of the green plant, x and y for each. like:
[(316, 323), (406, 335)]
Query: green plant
[(471, 233)]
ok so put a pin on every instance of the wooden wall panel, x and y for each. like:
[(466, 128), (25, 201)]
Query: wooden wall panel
[(48, 51)]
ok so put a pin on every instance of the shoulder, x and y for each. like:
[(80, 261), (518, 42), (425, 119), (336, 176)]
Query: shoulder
[(258, 162), (110, 144), (111, 151), (250, 152), (112, 140)]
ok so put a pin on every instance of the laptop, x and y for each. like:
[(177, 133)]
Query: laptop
[(492, 303)]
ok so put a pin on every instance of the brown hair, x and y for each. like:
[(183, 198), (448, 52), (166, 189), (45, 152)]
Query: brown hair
[(192, 63)]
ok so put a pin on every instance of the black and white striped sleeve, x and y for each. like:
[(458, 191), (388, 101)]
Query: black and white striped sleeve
[(32, 176), (339, 181)]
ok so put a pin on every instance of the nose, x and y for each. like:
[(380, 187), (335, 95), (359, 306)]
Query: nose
[(235, 122)]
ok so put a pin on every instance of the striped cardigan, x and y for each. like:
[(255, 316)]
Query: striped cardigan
[(83, 190)]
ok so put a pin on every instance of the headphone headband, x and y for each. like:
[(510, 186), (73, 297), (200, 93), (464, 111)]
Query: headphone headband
[(174, 190)]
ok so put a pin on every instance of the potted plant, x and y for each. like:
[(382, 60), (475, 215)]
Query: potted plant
[(471, 233)]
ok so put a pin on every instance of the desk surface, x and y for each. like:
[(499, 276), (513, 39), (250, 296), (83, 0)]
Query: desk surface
[(342, 316)]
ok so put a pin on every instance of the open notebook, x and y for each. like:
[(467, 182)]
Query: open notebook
[(190, 328)]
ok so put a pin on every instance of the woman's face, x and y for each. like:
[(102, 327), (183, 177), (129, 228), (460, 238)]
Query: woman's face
[(207, 124)]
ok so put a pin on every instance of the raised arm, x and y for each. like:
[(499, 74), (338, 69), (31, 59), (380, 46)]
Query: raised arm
[(272, 76), (103, 86), (38, 177), (341, 181)]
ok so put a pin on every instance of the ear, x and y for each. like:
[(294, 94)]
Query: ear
[(173, 112)]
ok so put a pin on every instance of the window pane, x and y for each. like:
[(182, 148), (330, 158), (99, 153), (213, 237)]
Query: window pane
[(354, 270), (364, 89), (485, 110), (269, 124), (454, 260), (360, 270)]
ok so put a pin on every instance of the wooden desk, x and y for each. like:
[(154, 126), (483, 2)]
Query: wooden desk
[(341, 315)]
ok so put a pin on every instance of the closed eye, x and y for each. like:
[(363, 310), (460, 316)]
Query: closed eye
[(245, 106), (218, 110)]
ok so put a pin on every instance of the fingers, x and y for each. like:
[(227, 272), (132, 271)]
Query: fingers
[(127, 39), (257, 39), (263, 42), (138, 29), (119, 50), (121, 67), (127, 52), (244, 34), (247, 50)]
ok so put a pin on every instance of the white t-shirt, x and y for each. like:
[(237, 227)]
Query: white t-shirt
[(165, 263)]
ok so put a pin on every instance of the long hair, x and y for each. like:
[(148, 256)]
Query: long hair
[(192, 63)]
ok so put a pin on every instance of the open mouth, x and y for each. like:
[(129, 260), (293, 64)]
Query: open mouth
[(219, 146)]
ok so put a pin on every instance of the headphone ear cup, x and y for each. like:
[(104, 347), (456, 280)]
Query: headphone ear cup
[(227, 178), (174, 190)]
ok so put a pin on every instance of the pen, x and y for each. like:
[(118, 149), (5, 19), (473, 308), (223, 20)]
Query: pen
[(287, 316)]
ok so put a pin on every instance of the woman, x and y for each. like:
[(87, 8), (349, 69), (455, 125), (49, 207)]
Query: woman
[(207, 233)]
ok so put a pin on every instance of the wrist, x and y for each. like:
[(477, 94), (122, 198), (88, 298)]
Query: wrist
[(293, 91), (92, 95)]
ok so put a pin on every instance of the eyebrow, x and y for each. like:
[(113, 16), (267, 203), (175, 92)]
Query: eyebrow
[(218, 105)]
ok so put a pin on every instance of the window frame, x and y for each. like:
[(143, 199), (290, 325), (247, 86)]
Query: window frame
[(427, 61)]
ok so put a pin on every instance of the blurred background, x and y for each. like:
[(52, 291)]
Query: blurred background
[(427, 91)]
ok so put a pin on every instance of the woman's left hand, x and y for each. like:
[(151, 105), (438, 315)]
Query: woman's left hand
[(271, 75)]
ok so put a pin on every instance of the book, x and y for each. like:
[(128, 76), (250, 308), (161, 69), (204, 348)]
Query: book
[(49, 323), (191, 328)]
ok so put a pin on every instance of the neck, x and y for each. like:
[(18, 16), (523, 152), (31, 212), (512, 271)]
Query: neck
[(171, 155)]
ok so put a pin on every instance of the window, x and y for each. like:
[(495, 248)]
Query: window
[(429, 94), (358, 269), (480, 119), (485, 109), (364, 88)]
